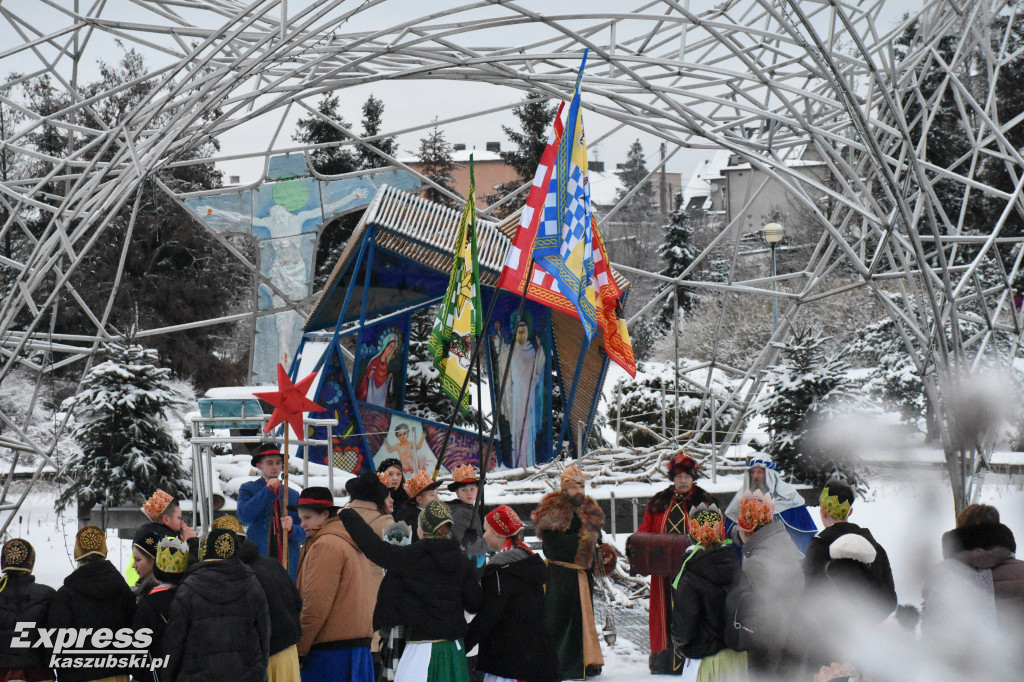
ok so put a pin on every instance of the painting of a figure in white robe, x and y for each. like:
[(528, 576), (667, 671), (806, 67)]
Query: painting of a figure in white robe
[(526, 404)]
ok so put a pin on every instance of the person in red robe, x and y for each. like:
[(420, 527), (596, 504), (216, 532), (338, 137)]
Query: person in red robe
[(375, 386), (666, 512)]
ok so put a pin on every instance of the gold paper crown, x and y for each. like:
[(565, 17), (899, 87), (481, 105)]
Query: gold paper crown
[(464, 473), (171, 556), (418, 483), (90, 540), (756, 509), (229, 522), (572, 474), (832, 506), (156, 505)]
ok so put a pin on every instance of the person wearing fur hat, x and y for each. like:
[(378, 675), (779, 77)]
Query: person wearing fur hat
[(283, 603), (770, 585), (154, 607), (219, 624), (431, 585), (93, 596), (393, 477), (666, 513), (22, 600), (338, 587), (421, 489), (569, 525), (511, 617), (835, 508), (264, 511), (698, 614), (789, 504), (467, 530)]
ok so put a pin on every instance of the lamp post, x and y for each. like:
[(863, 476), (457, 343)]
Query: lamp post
[(773, 234)]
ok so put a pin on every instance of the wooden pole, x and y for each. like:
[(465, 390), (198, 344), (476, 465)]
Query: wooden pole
[(284, 489)]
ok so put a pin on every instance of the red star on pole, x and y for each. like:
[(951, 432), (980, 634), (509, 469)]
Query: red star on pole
[(289, 401)]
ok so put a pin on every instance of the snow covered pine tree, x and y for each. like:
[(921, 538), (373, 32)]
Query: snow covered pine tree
[(125, 450)]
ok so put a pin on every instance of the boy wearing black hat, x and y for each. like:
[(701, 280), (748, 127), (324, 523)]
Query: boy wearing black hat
[(154, 607), (219, 625), (93, 596), (144, 547), (22, 600), (262, 508)]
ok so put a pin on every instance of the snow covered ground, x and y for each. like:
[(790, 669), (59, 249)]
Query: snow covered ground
[(907, 511)]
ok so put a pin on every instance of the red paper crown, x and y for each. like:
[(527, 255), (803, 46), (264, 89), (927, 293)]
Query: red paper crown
[(156, 505), (756, 509), (418, 483), (464, 473)]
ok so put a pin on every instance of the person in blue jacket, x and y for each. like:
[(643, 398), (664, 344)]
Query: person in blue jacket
[(790, 509), (265, 513)]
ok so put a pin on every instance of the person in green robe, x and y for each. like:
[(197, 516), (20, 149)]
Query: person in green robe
[(569, 525)]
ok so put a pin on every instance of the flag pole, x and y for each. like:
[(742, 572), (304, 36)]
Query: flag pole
[(284, 506)]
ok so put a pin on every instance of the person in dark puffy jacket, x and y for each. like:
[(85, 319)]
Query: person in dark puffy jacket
[(514, 642), (283, 602), (435, 584), (219, 627), (22, 600), (94, 596), (154, 607), (698, 613)]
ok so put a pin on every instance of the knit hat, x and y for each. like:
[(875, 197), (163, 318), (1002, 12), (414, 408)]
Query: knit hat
[(171, 560), (231, 523), (433, 516), (683, 463), (90, 540), (147, 539), (17, 555), (388, 463), (706, 525), (319, 498), (367, 486), (220, 544), (572, 474), (464, 474), (157, 505), (756, 509), (420, 483), (504, 521), (263, 451)]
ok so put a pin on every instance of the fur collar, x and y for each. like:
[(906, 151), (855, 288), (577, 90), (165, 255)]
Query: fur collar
[(555, 513), (660, 502)]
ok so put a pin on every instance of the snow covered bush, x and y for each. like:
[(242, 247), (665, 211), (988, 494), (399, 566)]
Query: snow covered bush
[(806, 389), (126, 452), (643, 403)]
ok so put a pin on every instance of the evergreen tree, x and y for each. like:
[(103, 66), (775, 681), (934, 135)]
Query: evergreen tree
[(894, 379), (804, 390), (437, 164), (637, 233), (535, 116), (126, 452), (373, 112), (677, 252), (315, 130)]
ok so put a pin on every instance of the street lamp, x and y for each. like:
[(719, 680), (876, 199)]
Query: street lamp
[(773, 234)]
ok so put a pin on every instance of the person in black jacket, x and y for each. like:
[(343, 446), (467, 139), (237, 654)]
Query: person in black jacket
[(219, 627), (421, 490), (510, 623), (283, 603), (22, 600), (836, 502), (699, 592), (154, 606), (94, 596), (433, 583)]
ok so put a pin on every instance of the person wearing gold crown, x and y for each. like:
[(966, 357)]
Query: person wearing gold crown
[(169, 564), (569, 525), (22, 600), (763, 605), (422, 490), (468, 530), (164, 514)]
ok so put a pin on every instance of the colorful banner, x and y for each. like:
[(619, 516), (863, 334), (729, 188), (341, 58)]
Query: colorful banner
[(417, 442), (349, 450), (382, 352)]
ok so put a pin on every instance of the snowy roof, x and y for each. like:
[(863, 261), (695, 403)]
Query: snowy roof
[(699, 184)]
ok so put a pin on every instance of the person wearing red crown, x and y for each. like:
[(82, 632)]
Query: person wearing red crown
[(467, 530), (264, 512), (667, 512), (510, 621)]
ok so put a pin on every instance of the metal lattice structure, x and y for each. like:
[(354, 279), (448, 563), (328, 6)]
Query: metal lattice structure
[(761, 78)]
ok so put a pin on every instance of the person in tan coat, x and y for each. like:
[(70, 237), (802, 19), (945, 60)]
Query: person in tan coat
[(338, 587)]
